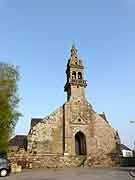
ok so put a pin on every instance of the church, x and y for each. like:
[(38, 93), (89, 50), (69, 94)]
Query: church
[(74, 134)]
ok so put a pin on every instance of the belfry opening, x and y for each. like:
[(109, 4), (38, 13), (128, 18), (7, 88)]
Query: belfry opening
[(80, 143)]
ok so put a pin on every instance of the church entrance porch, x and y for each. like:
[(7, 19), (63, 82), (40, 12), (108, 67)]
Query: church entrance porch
[(80, 143)]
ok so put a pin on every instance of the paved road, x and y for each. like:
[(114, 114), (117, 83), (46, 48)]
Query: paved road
[(72, 174)]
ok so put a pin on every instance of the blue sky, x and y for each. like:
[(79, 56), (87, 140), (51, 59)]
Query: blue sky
[(37, 36)]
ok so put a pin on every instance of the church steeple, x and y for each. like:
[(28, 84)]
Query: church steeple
[(75, 83)]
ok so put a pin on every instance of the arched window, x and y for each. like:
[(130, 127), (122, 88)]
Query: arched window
[(79, 75), (80, 143), (73, 75)]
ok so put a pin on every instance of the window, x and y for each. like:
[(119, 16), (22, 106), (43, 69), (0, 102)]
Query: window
[(73, 75), (79, 75)]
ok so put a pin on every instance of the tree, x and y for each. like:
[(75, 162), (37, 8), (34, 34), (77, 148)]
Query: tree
[(9, 99)]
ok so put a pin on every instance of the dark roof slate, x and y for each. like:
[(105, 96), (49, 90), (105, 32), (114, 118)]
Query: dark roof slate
[(103, 116), (18, 140), (122, 146), (34, 121)]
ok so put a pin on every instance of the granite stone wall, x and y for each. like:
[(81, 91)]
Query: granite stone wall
[(51, 142)]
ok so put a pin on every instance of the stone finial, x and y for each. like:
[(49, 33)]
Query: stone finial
[(73, 52)]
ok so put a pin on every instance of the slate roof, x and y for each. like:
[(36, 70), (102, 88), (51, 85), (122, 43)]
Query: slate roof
[(34, 121), (18, 140), (103, 116), (124, 147)]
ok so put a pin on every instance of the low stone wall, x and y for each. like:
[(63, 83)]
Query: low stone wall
[(102, 161), (59, 161), (48, 161)]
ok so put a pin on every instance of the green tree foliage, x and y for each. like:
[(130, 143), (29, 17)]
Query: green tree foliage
[(9, 99)]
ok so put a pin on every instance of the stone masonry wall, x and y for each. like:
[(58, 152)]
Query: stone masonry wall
[(51, 142), (56, 161), (46, 137)]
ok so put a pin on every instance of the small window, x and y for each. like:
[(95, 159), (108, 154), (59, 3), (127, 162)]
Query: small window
[(73, 75), (79, 75)]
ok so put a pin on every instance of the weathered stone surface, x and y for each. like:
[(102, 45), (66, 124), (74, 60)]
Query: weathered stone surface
[(74, 134)]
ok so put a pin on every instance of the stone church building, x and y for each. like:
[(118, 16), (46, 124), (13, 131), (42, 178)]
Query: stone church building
[(74, 134)]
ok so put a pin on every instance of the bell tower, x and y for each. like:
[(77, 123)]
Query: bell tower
[(75, 84)]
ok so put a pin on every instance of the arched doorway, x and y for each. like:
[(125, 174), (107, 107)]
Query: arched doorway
[(80, 143)]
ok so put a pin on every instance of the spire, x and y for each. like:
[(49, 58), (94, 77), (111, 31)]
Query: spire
[(75, 84), (73, 52)]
